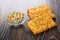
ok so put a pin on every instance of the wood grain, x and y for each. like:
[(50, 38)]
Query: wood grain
[(20, 34)]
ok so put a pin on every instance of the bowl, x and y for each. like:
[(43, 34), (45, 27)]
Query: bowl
[(18, 23)]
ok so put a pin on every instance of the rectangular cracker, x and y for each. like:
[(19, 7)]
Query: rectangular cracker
[(40, 11), (40, 24)]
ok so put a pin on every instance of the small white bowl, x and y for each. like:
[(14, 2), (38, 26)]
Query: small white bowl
[(16, 24)]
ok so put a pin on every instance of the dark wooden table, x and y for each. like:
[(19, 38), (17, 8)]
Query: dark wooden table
[(21, 34)]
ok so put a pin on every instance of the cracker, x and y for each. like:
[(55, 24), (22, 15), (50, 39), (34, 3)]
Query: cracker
[(40, 11), (40, 24)]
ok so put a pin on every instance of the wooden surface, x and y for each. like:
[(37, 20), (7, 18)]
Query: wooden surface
[(21, 34)]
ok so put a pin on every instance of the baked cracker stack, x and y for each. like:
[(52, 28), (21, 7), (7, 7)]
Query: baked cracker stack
[(41, 19)]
